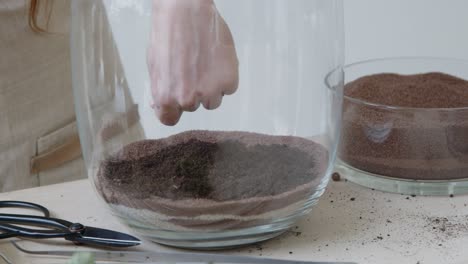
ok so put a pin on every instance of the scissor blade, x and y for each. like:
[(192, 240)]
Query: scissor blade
[(168, 257), (104, 237), (165, 258), (179, 257)]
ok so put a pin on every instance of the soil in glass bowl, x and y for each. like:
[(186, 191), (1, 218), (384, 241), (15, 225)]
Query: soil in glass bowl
[(191, 180), (411, 127)]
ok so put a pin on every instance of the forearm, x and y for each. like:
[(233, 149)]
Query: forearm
[(168, 5)]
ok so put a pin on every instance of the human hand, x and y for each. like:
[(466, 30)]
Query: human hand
[(192, 59)]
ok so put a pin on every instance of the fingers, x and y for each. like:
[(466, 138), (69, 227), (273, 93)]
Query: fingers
[(227, 63), (168, 112), (229, 80), (190, 107), (188, 102), (212, 102), (211, 92), (223, 78)]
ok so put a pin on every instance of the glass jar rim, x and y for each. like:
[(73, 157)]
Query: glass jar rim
[(390, 107)]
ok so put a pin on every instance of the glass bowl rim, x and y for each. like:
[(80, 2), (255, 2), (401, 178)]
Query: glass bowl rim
[(389, 107)]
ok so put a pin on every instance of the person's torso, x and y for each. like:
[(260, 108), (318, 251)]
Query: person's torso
[(36, 102)]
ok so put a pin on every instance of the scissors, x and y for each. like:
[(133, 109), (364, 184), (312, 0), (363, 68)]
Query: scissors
[(12, 225)]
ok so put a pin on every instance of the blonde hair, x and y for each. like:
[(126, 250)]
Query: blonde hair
[(39, 8)]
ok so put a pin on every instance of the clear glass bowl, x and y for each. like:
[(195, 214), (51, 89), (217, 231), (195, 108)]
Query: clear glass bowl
[(238, 174), (420, 151)]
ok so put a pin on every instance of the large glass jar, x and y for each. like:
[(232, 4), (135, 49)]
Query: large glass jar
[(241, 172)]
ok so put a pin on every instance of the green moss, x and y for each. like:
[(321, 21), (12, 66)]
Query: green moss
[(83, 258)]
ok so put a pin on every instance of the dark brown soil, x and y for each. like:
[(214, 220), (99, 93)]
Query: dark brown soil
[(195, 169), (336, 177), (422, 143), (430, 90)]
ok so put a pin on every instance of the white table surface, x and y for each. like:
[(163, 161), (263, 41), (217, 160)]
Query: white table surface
[(374, 228)]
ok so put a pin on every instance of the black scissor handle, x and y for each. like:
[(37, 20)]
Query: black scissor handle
[(19, 231), (32, 220), (8, 222), (26, 205), (18, 225)]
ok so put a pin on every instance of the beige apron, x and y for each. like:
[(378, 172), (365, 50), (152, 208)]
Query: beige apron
[(38, 138)]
